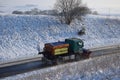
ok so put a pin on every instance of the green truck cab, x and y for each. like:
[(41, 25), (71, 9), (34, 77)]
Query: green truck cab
[(75, 45)]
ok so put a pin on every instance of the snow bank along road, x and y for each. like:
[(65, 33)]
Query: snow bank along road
[(29, 64)]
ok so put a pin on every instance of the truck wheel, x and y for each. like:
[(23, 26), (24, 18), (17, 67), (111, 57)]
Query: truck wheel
[(59, 60), (77, 56)]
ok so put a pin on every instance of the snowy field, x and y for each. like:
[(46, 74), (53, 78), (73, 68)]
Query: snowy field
[(22, 35)]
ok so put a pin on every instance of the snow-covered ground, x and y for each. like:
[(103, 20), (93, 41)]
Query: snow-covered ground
[(100, 68), (22, 35)]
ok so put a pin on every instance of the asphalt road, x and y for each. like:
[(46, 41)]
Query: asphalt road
[(30, 66), (21, 68)]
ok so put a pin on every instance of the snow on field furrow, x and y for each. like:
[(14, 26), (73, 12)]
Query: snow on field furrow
[(20, 35)]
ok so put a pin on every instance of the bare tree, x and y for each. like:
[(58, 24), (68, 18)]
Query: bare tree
[(70, 9)]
